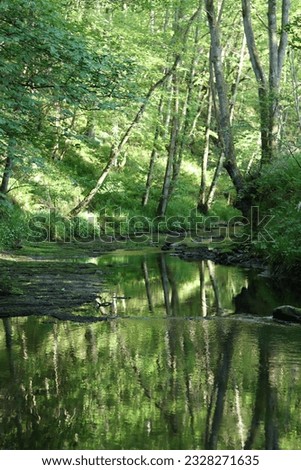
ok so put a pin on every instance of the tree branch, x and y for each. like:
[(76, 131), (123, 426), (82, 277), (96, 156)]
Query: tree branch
[(115, 151)]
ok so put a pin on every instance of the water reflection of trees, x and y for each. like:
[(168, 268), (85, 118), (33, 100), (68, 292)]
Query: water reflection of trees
[(217, 400), (198, 292), (162, 285), (265, 404), (190, 379), (168, 384)]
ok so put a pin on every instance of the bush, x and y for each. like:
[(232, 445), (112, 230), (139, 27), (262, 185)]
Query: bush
[(279, 195), (13, 226)]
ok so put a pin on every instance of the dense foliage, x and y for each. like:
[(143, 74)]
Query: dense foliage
[(152, 107)]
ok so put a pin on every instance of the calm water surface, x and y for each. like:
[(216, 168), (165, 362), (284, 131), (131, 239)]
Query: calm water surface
[(193, 362)]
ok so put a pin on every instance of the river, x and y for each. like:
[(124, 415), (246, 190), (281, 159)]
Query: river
[(192, 361)]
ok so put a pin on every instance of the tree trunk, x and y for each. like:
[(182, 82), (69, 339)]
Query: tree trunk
[(174, 301), (273, 78), (167, 112), (206, 198), (153, 156), (220, 389), (295, 87), (6, 175), (220, 163), (215, 287), (166, 19), (173, 164), (162, 207), (213, 186), (8, 167), (238, 78), (202, 100), (152, 20), (202, 206), (226, 135), (186, 109), (90, 127), (265, 401), (66, 143), (56, 147), (268, 90), (277, 57), (260, 77)]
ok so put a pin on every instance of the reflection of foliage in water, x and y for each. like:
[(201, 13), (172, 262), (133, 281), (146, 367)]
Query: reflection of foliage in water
[(155, 383), (149, 384), (162, 284), (153, 282)]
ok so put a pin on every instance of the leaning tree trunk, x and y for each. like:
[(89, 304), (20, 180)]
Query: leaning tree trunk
[(214, 182), (115, 151)]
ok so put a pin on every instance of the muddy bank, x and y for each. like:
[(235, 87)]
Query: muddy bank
[(61, 289)]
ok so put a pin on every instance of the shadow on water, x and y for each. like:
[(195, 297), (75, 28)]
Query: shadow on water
[(193, 362)]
